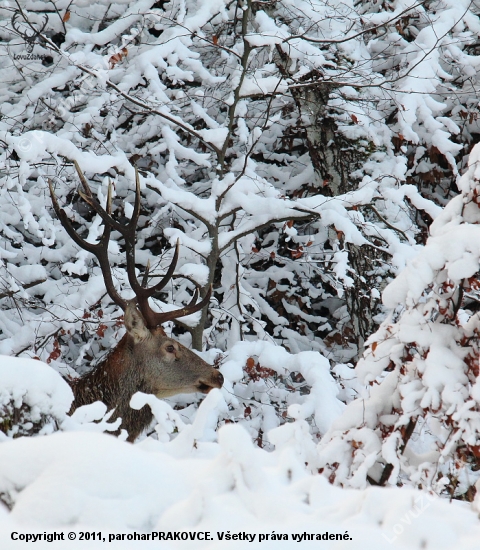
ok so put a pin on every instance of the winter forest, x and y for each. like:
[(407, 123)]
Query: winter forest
[(307, 169)]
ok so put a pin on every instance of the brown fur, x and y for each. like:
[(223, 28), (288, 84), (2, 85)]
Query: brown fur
[(148, 361)]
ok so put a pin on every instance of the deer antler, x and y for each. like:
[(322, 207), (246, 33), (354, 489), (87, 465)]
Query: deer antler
[(128, 231), (100, 250)]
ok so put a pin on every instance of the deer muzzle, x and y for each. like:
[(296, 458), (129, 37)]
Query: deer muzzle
[(216, 381)]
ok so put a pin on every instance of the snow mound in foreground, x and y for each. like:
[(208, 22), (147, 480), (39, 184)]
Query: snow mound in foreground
[(32, 393), (83, 481), (201, 480)]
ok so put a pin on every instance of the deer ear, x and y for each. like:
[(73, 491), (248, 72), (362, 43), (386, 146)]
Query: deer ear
[(135, 323)]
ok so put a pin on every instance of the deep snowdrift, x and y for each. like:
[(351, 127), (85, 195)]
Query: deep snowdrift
[(82, 481)]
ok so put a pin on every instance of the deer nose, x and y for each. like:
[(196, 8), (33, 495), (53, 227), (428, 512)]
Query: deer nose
[(215, 380)]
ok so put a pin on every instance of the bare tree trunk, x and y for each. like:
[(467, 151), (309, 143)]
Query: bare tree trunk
[(334, 159), (361, 304), (212, 262)]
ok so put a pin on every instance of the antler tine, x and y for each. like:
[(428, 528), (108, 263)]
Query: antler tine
[(136, 208), (127, 231), (99, 250), (169, 273), (149, 292), (89, 198), (36, 33), (154, 319), (84, 181), (143, 293)]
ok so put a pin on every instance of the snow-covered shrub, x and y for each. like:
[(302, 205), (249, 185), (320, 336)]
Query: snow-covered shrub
[(71, 482), (299, 150), (266, 387), (231, 113), (34, 399), (419, 421)]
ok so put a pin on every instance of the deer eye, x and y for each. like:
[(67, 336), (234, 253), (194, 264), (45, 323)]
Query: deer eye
[(170, 348)]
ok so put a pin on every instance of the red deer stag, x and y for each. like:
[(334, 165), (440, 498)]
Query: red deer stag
[(145, 359)]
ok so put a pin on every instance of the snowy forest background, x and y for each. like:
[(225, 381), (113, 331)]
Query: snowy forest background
[(310, 156)]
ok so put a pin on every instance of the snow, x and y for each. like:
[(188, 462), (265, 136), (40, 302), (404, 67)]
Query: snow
[(217, 136), (92, 482), (420, 367), (222, 105), (202, 480), (30, 383), (131, 16), (453, 245)]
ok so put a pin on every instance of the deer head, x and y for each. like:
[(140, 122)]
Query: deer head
[(182, 371), (145, 359)]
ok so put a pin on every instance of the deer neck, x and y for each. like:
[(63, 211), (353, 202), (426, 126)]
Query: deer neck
[(102, 383)]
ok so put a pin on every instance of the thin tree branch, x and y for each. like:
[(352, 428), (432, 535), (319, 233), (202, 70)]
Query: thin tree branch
[(24, 287), (361, 33)]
